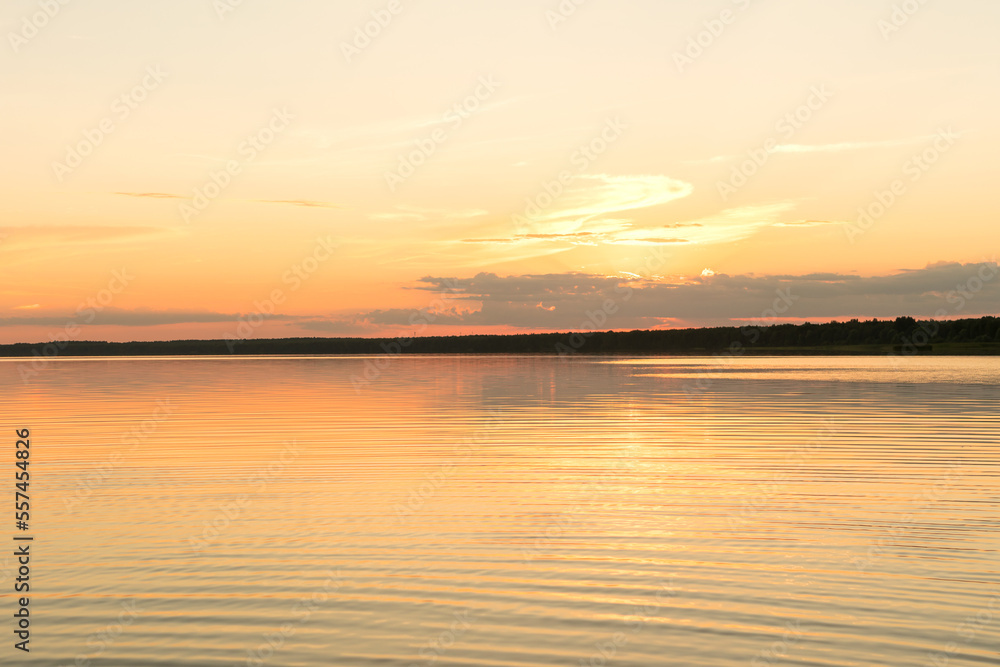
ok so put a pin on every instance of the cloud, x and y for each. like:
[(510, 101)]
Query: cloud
[(594, 197), (53, 245), (839, 147), (48, 236), (726, 226), (290, 202), (298, 202), (846, 146), (562, 301), (492, 241), (401, 216), (418, 214), (648, 241), (810, 223), (332, 327), (578, 237), (565, 301), (126, 318), (151, 195)]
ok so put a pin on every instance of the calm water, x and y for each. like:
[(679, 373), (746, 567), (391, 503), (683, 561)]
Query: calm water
[(511, 511)]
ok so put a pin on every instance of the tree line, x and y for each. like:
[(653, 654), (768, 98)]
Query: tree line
[(902, 335)]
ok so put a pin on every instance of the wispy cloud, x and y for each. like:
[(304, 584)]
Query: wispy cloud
[(290, 202), (736, 224), (298, 202), (151, 195), (132, 318), (648, 241), (58, 235), (726, 226), (809, 223), (598, 196), (418, 214), (846, 146), (400, 217), (839, 147), (577, 237), (590, 211)]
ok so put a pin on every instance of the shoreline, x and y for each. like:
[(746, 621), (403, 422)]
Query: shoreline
[(901, 337)]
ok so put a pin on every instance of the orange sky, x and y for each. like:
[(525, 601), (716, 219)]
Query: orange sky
[(194, 169)]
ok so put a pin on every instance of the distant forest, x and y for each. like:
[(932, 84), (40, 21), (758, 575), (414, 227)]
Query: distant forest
[(904, 335)]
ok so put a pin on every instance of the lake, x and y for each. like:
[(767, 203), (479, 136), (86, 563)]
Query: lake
[(498, 511)]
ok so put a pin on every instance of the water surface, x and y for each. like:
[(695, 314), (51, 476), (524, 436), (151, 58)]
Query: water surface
[(512, 511)]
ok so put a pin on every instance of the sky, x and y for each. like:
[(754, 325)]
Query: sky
[(256, 169)]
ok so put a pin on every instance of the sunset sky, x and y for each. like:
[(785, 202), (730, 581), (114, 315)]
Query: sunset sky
[(214, 168)]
